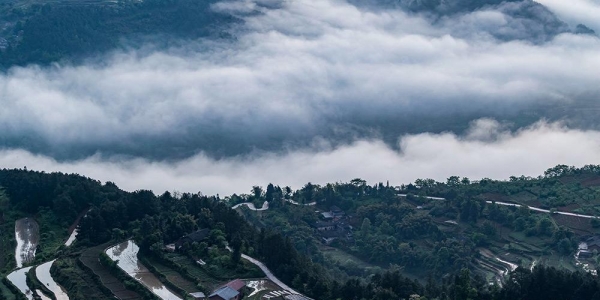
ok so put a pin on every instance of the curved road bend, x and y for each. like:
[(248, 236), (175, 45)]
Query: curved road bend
[(252, 207)]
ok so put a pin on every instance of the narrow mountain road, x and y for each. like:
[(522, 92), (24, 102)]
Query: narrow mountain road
[(296, 203), (426, 197), (269, 274), (544, 210), (252, 207), (519, 205), (265, 206)]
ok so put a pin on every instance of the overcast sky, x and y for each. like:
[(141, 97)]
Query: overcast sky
[(318, 91)]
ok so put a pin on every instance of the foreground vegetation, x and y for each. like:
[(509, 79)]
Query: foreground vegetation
[(397, 243)]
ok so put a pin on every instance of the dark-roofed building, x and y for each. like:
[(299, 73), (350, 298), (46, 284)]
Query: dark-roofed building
[(327, 215), (584, 254), (196, 236), (321, 226), (336, 211), (593, 243), (329, 236), (237, 284), (225, 293)]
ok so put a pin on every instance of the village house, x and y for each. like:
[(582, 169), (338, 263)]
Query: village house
[(327, 237), (196, 236), (584, 254), (225, 293), (327, 215), (233, 290), (336, 212), (322, 226), (593, 243)]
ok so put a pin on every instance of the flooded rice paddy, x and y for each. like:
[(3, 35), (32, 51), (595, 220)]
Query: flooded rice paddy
[(72, 237), (19, 279), (126, 255), (27, 234), (75, 228), (42, 272)]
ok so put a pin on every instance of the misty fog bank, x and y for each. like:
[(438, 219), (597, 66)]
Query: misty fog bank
[(300, 71), (486, 150), (319, 91)]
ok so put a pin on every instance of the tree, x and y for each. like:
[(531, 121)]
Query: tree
[(236, 246), (365, 228), (462, 289), (257, 192), (269, 193), (307, 192), (565, 246), (453, 181), (544, 226)]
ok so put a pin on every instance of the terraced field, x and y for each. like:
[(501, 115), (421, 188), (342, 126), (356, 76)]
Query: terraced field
[(43, 275), (89, 258), (198, 272), (173, 276), (78, 280), (27, 232)]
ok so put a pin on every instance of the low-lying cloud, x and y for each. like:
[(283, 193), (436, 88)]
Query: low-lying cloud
[(302, 70), (315, 91), (485, 151)]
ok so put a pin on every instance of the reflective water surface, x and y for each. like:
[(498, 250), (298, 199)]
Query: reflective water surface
[(27, 235), (42, 272), (72, 237), (126, 254), (19, 279)]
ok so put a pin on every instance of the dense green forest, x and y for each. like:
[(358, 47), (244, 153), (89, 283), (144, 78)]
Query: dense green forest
[(69, 31), (397, 243), (461, 227)]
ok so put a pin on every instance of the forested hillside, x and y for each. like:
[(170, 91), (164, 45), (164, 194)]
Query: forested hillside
[(429, 229), (45, 32), (389, 233)]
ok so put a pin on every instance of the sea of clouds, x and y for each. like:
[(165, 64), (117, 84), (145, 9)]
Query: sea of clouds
[(318, 91)]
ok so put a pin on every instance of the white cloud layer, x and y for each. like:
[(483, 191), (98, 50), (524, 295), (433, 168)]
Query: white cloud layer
[(575, 12), (486, 151), (307, 71), (293, 73)]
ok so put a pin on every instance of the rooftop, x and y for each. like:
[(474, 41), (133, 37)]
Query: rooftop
[(333, 234), (225, 293), (237, 284), (327, 215), (324, 224)]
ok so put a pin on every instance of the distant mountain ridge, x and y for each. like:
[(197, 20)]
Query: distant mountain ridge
[(527, 19)]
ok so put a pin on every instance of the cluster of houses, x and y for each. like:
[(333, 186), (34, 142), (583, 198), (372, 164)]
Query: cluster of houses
[(233, 290), (333, 226), (587, 248)]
